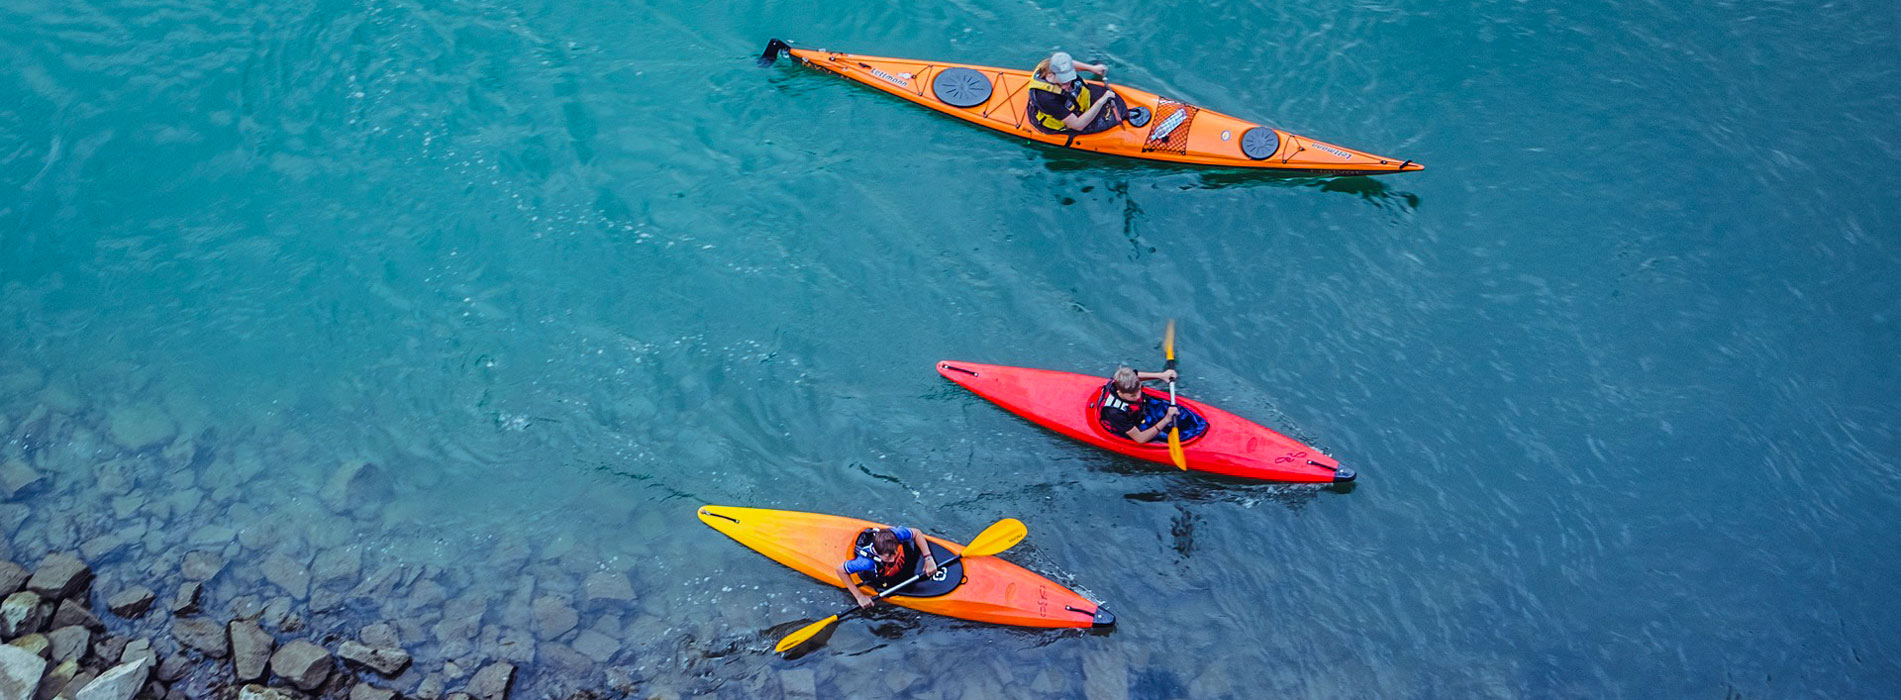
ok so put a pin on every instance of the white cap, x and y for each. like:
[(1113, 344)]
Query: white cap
[(1062, 67)]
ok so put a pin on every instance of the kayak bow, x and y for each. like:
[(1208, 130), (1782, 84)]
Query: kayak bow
[(1159, 128), (988, 590), (1066, 403)]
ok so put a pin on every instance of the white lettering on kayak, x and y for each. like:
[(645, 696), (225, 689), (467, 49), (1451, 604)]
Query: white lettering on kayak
[(1330, 149), (898, 80)]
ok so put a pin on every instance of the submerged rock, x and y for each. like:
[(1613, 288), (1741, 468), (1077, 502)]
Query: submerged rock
[(602, 585), (131, 602), (250, 650), (258, 692), (554, 617), (60, 576), (492, 682), (384, 660), (139, 426), (381, 634), (365, 691), (201, 565), (339, 564), (289, 574), (16, 478), (57, 679), (303, 664), (20, 673), (186, 601), (596, 646), (354, 483), (201, 634)]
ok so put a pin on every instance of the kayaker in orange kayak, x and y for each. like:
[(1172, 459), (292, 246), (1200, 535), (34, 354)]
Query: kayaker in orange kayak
[(1062, 103), (885, 557), (1126, 411)]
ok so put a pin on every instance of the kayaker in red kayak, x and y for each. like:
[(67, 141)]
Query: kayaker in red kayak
[(885, 558), (1062, 103), (1125, 409)]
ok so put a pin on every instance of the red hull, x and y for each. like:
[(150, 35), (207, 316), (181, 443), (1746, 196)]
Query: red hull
[(1063, 402)]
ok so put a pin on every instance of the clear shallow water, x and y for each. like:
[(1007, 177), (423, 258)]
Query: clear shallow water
[(1618, 369)]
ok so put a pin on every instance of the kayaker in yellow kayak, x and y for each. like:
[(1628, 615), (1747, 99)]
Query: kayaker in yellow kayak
[(1060, 102), (885, 557), (1126, 411)]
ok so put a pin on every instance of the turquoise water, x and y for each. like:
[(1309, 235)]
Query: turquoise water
[(1618, 370)]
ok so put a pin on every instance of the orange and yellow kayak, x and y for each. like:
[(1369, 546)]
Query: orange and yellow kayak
[(1160, 128), (985, 589)]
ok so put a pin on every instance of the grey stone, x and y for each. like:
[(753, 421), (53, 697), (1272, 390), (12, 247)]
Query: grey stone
[(60, 576), (11, 516), (596, 646), (102, 546), (139, 426), (353, 483), (430, 688), (56, 680), (554, 617), (173, 668), (275, 612), (492, 682), (124, 507), (201, 634), (213, 535), (131, 602), (381, 634), (17, 478), (365, 691), (388, 661), (257, 692), (247, 607), (186, 601), (12, 576), (303, 664), (108, 650), (1105, 676), (36, 643), (602, 585), (22, 613), (72, 613), (323, 600), (339, 564), (250, 650), (69, 642), (289, 574), (120, 682), (20, 673), (139, 649), (201, 565), (565, 659), (459, 696)]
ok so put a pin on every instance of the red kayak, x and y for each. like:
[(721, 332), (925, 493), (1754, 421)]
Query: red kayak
[(1067, 403)]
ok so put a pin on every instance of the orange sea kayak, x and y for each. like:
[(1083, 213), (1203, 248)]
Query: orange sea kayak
[(985, 589), (1159, 128)]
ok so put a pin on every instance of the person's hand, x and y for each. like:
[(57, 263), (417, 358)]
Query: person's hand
[(1169, 417), (1108, 94), (1168, 375), (930, 568), (864, 601)]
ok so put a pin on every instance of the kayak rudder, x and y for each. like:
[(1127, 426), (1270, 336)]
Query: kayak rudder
[(773, 48)]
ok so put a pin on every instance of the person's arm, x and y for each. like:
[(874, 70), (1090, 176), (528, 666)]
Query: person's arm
[(1146, 434), (1100, 69), (1167, 375), (864, 601), (1078, 122), (930, 562)]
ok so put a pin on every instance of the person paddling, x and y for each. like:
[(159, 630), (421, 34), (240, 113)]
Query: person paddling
[(1060, 102), (885, 557), (1127, 411)]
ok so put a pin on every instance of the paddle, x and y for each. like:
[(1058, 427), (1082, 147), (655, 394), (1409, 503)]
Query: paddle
[(1175, 453), (1000, 536)]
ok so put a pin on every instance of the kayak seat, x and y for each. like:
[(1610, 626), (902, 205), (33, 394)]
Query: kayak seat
[(1106, 119), (949, 578)]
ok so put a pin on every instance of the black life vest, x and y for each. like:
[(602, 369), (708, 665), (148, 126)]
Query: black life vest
[(1078, 102), (891, 573), (1140, 410)]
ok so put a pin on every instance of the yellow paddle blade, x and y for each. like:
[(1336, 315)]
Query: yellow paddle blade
[(804, 633), (1168, 341), (1006, 533), (1175, 453)]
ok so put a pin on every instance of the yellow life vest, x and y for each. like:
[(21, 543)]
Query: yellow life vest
[(1052, 121)]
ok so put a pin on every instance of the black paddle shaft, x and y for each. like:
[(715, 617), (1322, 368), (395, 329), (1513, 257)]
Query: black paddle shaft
[(900, 586)]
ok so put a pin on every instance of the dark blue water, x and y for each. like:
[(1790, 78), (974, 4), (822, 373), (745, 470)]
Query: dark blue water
[(1618, 370)]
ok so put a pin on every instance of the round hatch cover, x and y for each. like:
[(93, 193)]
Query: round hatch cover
[(1259, 142), (961, 87)]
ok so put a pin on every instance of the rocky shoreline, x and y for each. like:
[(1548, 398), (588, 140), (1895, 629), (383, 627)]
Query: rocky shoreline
[(58, 647)]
